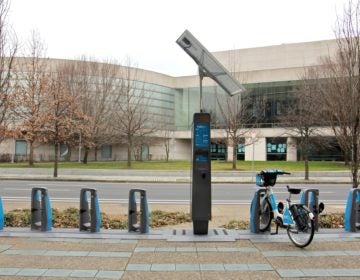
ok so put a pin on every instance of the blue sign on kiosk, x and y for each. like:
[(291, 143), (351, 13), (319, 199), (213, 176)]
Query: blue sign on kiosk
[(201, 174)]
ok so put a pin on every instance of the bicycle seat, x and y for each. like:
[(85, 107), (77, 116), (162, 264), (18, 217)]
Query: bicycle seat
[(293, 190)]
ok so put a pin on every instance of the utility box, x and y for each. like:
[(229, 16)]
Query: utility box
[(201, 173)]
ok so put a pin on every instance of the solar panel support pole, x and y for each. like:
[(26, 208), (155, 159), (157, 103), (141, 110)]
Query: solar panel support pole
[(201, 77)]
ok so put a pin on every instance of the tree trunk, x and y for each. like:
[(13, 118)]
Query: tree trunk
[(167, 150), (306, 162), (305, 149), (234, 161), (129, 146), (355, 161), (56, 159), (31, 153), (96, 153), (86, 154)]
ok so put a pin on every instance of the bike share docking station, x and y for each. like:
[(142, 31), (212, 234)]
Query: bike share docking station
[(90, 218), (255, 211), (352, 211), (310, 198), (262, 179), (210, 67), (41, 212), (201, 174), (133, 225)]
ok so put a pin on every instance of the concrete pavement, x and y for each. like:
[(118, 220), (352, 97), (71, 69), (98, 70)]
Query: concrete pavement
[(173, 253), (124, 175), (69, 254)]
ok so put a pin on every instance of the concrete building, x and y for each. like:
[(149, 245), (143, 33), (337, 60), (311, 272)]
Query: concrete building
[(269, 72)]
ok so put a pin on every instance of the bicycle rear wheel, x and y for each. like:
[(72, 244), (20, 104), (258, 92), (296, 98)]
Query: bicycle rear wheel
[(265, 215), (302, 237)]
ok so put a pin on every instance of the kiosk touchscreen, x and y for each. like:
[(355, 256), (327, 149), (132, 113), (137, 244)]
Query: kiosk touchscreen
[(201, 174)]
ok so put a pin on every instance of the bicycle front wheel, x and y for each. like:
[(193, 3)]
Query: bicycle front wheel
[(265, 215), (302, 237)]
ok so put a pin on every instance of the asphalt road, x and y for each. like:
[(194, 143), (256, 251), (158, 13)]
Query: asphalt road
[(159, 193)]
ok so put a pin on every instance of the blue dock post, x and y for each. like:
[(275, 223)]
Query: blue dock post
[(41, 212), (90, 217)]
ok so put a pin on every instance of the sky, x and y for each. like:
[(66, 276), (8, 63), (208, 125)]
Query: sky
[(145, 31)]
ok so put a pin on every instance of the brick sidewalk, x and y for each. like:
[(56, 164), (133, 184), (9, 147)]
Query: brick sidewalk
[(250, 257)]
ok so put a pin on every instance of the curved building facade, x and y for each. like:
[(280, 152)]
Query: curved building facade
[(269, 73)]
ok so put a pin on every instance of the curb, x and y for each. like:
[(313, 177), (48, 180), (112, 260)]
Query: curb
[(139, 179)]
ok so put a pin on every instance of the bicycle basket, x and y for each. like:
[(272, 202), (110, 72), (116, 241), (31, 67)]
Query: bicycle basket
[(259, 180), (300, 216), (266, 178)]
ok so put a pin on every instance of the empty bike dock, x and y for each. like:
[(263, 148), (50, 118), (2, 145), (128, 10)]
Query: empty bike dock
[(41, 212), (133, 225), (352, 212), (41, 216), (1, 215)]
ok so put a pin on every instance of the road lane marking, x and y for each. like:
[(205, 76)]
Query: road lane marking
[(23, 189), (56, 185)]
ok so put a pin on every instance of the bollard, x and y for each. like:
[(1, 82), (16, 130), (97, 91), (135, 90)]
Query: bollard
[(2, 220), (310, 198), (352, 211), (41, 212), (144, 212), (255, 210), (90, 219)]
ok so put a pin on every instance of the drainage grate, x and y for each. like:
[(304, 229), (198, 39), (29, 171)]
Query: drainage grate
[(184, 232)]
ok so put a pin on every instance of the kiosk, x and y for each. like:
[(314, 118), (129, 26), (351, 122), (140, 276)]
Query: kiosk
[(201, 174)]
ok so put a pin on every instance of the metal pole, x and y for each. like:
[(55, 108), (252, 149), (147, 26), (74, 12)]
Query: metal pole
[(253, 155), (201, 76), (14, 150), (80, 146)]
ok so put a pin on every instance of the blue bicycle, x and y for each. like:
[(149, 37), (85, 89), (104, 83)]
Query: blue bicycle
[(297, 219)]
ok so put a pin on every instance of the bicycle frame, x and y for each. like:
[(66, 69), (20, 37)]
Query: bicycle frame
[(286, 218)]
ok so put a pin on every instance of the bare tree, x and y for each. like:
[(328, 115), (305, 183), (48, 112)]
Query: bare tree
[(60, 118), (341, 92), (31, 82), (238, 120), (167, 141), (131, 117), (303, 116), (8, 49), (93, 84)]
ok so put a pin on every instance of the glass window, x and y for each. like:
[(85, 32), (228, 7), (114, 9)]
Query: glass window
[(276, 148), (20, 148), (218, 151), (64, 150), (106, 151)]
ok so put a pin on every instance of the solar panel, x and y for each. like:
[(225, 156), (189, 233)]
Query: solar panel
[(207, 63)]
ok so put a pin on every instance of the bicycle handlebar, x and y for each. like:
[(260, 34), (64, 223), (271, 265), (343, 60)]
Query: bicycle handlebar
[(275, 171), (268, 177)]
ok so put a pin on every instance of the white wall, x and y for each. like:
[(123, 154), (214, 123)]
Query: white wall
[(259, 148)]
